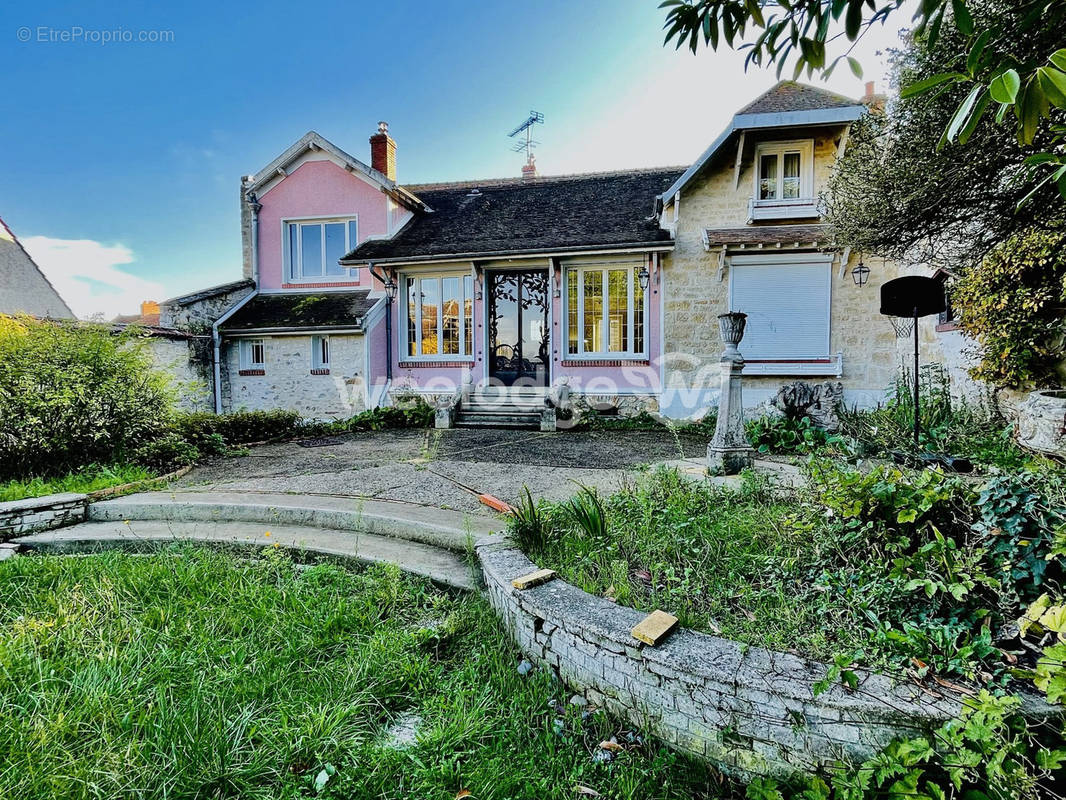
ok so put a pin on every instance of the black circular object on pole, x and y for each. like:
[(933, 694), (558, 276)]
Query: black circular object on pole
[(912, 296)]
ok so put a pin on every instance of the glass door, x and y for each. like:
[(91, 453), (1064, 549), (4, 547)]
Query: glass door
[(518, 327)]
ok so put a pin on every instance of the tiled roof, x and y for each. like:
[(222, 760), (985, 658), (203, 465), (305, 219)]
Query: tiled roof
[(267, 312), (769, 234), (792, 96), (552, 214), (211, 291)]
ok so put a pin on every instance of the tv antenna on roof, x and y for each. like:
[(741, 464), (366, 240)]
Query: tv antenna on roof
[(530, 142)]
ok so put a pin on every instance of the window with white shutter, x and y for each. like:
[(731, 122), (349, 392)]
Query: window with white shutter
[(787, 299)]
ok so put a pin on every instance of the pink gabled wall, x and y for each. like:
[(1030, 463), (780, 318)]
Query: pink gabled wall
[(316, 189)]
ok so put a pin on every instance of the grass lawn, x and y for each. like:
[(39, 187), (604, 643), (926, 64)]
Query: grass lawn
[(735, 564), (90, 479), (197, 674)]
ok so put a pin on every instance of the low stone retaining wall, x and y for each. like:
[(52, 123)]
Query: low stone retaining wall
[(751, 711), (34, 514)]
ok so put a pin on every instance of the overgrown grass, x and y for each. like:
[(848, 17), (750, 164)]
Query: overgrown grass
[(90, 479), (730, 563), (195, 674)]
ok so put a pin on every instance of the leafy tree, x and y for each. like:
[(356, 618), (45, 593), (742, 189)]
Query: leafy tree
[(1014, 305), (985, 57), (895, 194)]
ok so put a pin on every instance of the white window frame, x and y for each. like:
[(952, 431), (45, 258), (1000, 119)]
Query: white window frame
[(632, 287), (293, 273), (320, 346), (246, 353), (405, 321), (805, 148)]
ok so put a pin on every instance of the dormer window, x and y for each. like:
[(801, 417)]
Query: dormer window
[(313, 247), (784, 180)]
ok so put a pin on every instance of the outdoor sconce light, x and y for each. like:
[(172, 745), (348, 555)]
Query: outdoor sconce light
[(390, 289), (860, 274), (643, 278)]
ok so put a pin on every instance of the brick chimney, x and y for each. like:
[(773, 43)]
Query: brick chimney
[(383, 152), (529, 169), (872, 100), (149, 312)]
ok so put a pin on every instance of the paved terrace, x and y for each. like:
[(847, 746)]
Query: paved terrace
[(430, 467)]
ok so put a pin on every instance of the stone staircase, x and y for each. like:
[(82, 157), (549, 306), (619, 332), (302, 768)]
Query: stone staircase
[(502, 408)]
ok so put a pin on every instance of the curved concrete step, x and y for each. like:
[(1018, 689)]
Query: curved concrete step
[(441, 566), (452, 530)]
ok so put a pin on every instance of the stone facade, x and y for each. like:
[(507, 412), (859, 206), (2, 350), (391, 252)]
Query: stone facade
[(197, 312), (187, 360), (694, 296), (751, 711), (286, 381), (34, 514)]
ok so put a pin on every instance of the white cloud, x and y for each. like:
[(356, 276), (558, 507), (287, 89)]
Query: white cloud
[(86, 274)]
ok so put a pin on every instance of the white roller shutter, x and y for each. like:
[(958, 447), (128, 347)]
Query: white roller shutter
[(786, 298)]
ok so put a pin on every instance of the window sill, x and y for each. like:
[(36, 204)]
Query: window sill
[(637, 361), (803, 208), (830, 366), (320, 283), (435, 364), (320, 371), (251, 372), (944, 327)]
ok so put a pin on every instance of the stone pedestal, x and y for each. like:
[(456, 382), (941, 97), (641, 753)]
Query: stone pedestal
[(729, 451)]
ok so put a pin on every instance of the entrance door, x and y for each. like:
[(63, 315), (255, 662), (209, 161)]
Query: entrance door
[(518, 327)]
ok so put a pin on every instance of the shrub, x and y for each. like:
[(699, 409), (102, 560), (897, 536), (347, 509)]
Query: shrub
[(781, 434), (167, 453), (1012, 305), (74, 394), (241, 427)]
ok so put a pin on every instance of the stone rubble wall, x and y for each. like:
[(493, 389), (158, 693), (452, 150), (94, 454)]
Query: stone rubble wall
[(187, 361), (197, 312), (749, 710), (287, 382), (35, 514)]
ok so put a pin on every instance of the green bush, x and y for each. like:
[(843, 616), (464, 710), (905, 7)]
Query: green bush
[(781, 434), (1012, 304), (74, 394), (241, 427), (167, 453)]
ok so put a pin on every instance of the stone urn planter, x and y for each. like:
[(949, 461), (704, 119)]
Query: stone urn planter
[(1042, 421)]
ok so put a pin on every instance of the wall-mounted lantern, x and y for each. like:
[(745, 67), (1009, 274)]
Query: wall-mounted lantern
[(390, 289), (643, 277), (860, 274)]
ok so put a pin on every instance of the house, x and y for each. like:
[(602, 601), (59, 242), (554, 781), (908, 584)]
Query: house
[(501, 297), (23, 287)]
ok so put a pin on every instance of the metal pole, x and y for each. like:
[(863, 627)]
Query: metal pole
[(916, 423)]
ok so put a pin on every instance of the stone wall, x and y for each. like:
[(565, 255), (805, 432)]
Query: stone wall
[(751, 711), (21, 517), (187, 360), (694, 296), (198, 311), (286, 381)]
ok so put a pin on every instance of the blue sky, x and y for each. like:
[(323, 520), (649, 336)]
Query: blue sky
[(122, 160)]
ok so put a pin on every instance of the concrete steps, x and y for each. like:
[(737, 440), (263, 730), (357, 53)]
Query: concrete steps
[(441, 566), (501, 408), (451, 530)]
